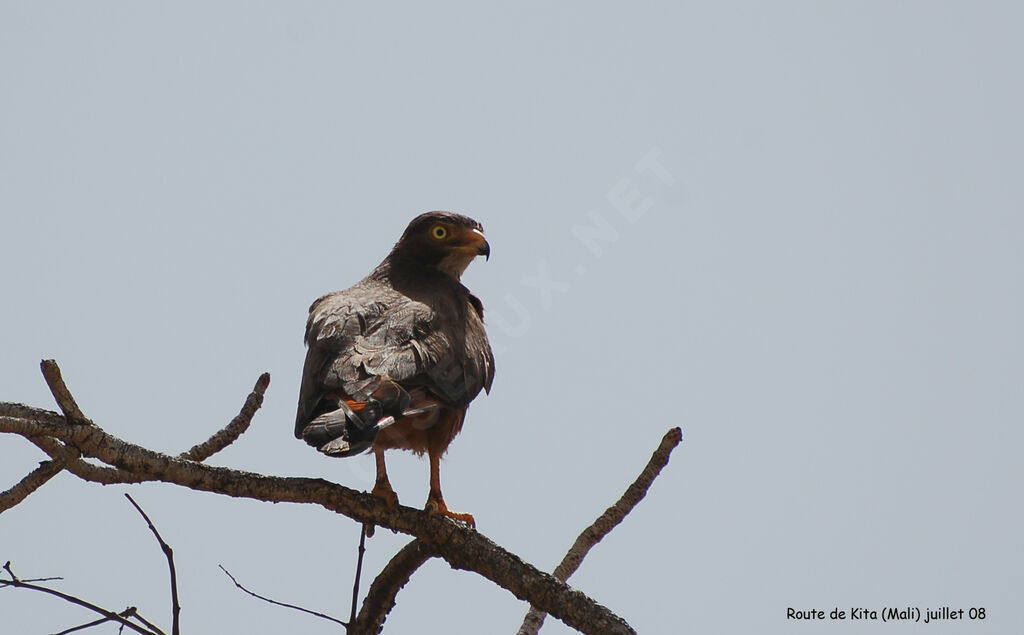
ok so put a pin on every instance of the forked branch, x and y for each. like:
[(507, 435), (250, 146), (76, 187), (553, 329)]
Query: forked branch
[(108, 615), (461, 547)]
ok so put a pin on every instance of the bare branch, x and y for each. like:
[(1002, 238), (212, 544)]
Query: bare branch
[(51, 372), (461, 547), (169, 554), (363, 532), (110, 475), (235, 427), (606, 522), (21, 411), (84, 469), (128, 612), (133, 612), (109, 615), (380, 599), (36, 478), (87, 625), (276, 603)]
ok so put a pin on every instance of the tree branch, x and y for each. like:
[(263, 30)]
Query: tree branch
[(51, 373), (84, 469), (37, 478), (110, 475), (606, 522), (461, 547), (128, 612), (380, 599), (169, 554), (235, 427), (109, 615), (276, 603), (359, 571)]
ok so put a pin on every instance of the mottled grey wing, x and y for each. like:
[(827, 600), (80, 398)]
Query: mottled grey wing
[(335, 323), (353, 341)]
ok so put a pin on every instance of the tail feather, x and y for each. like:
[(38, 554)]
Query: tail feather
[(345, 427)]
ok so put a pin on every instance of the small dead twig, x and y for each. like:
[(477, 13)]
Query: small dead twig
[(606, 522), (108, 615), (169, 553), (227, 435), (284, 604), (359, 571), (128, 612)]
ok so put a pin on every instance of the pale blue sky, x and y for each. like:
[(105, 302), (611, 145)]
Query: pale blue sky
[(825, 292)]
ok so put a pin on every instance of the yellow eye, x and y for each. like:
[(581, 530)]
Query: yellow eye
[(439, 232)]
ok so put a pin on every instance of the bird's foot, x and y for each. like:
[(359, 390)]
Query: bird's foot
[(382, 489), (436, 505)]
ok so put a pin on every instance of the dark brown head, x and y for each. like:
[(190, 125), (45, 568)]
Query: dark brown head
[(444, 241)]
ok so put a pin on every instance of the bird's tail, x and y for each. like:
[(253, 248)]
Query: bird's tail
[(352, 426), (344, 431)]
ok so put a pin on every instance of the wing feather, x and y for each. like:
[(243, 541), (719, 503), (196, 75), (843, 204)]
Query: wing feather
[(370, 331)]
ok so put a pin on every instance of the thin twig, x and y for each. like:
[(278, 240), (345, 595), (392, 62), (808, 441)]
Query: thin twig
[(606, 522), (359, 571), (128, 612), (380, 599), (134, 613), (37, 478), (284, 604), (52, 375), (227, 435), (169, 553), (82, 627), (110, 615), (49, 579)]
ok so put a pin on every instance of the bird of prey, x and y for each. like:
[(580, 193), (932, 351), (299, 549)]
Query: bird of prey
[(395, 360)]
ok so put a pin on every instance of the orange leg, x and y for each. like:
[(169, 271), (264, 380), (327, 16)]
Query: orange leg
[(435, 502), (382, 488)]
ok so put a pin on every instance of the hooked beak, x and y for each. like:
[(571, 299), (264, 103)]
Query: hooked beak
[(483, 248)]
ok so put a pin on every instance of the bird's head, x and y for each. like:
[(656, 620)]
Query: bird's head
[(444, 241)]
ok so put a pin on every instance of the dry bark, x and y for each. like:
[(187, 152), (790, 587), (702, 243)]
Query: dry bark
[(460, 546)]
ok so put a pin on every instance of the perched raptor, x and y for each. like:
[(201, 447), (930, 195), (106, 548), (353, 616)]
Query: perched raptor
[(394, 360)]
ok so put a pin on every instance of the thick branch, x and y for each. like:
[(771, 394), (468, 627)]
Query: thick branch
[(462, 548), (36, 478), (85, 470), (606, 522), (235, 427), (110, 475), (380, 599)]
